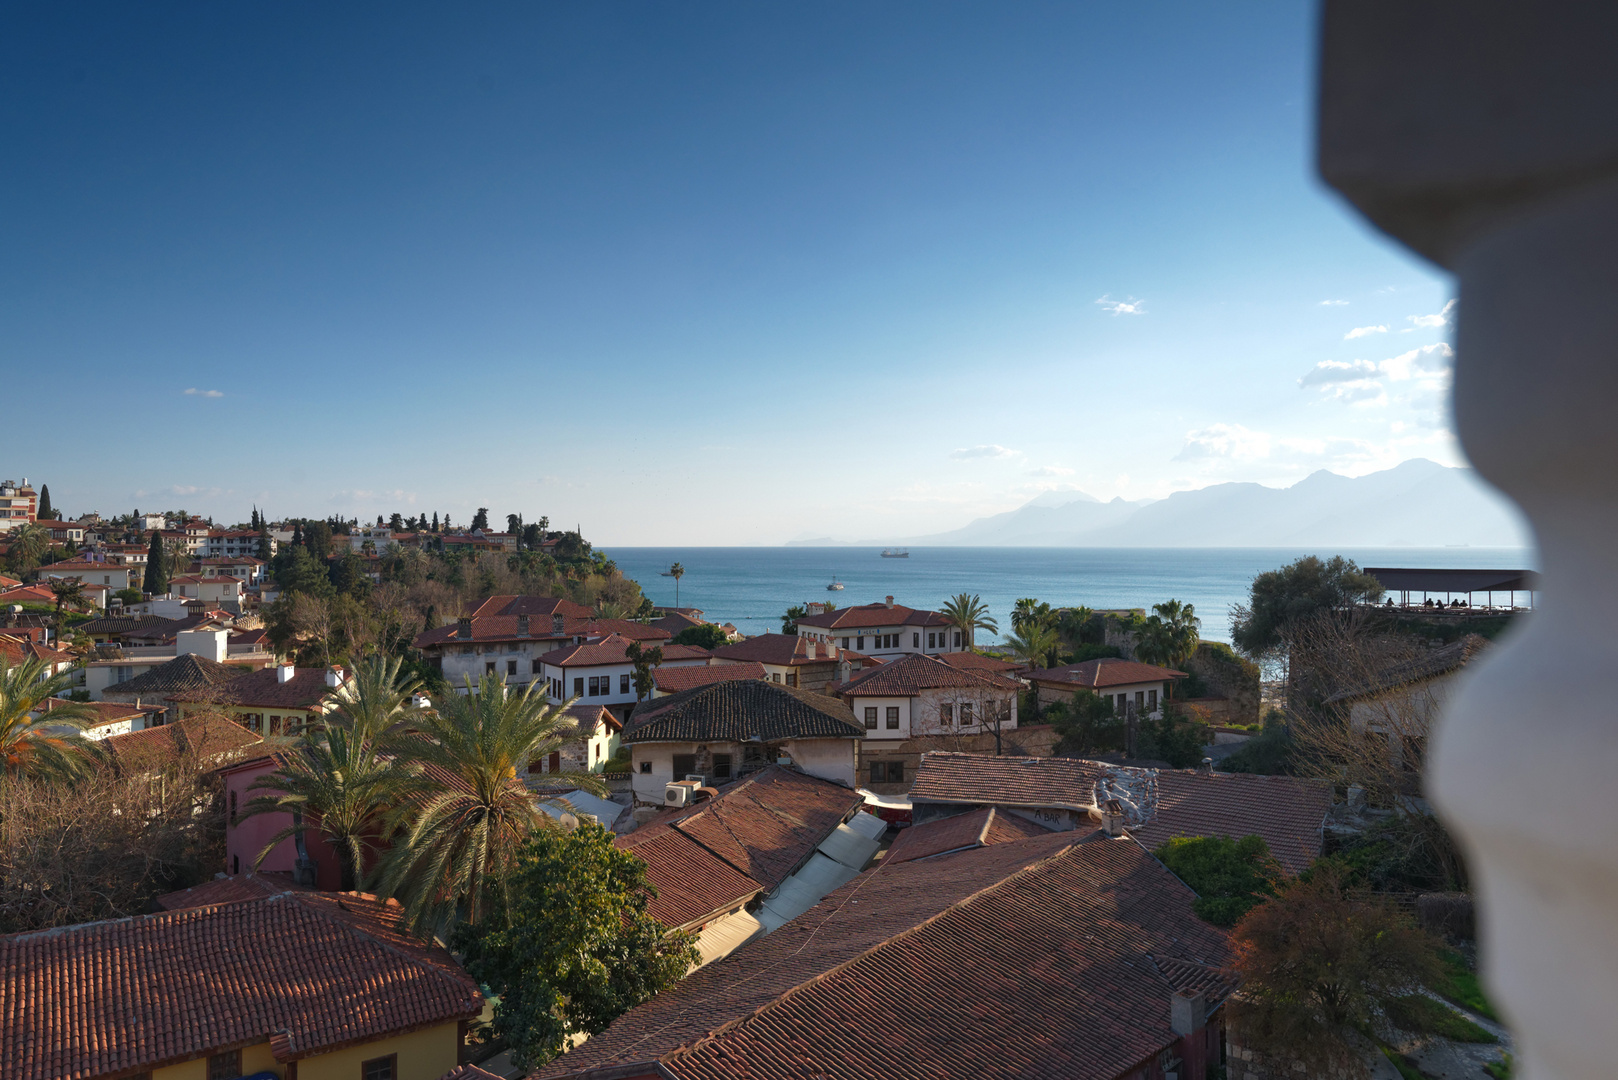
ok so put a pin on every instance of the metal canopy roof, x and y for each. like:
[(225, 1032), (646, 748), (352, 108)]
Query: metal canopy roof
[(1405, 579)]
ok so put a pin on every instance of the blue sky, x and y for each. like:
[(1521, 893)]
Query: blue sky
[(700, 273)]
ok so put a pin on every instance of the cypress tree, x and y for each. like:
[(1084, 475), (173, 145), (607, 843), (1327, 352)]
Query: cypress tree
[(47, 512), (435, 521), (156, 580), (297, 533)]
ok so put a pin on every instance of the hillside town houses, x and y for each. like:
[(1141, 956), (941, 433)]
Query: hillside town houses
[(869, 792)]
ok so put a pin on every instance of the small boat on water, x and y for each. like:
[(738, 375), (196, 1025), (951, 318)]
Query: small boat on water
[(895, 553), (835, 586)]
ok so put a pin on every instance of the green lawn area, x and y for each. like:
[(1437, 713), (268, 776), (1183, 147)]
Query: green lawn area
[(1500, 1070), (1460, 985), (1421, 1014)]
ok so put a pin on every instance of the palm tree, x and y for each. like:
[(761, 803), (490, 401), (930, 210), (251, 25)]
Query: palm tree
[(611, 609), (29, 543), (375, 699), (1170, 636), (339, 783), (676, 572), (50, 745), (1028, 610), (457, 844), (67, 591), (1035, 645), (968, 613)]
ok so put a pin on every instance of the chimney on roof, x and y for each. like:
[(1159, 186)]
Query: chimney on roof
[(1112, 817), (284, 673), (1207, 766), (558, 623), (334, 676), (1187, 1013), (522, 626), (890, 601), (463, 628)]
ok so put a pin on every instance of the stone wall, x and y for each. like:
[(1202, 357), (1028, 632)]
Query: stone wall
[(1036, 740)]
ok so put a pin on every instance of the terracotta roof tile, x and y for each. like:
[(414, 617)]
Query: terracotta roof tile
[(910, 675), (263, 689), (975, 828), (210, 737), (1288, 812), (1429, 665), (740, 710), (988, 665), (229, 890), (673, 680), (783, 650), (977, 780), (692, 882), (868, 616), (532, 605), (1090, 930), (1108, 671), (612, 650), (322, 970)]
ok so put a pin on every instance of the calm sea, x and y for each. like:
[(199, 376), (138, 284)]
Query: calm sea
[(752, 586)]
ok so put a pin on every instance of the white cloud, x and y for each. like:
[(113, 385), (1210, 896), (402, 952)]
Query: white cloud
[(1429, 361), (1050, 470), (991, 450), (1122, 307), (1338, 371), (1334, 303), (194, 392), (1363, 331), (1427, 322), (1224, 441)]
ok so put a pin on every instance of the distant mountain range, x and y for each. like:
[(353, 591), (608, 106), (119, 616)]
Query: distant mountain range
[(1418, 503)]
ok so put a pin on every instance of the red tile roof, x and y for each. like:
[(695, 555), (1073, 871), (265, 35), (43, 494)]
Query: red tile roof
[(208, 737), (975, 828), (1288, 812), (106, 712), (306, 972), (971, 661), (673, 680), (870, 616), (229, 890), (765, 826), (742, 710), (18, 649), (978, 780), (1053, 956), (1108, 671), (910, 675), (784, 649), (28, 594), (532, 605), (262, 689), (692, 882), (611, 650)]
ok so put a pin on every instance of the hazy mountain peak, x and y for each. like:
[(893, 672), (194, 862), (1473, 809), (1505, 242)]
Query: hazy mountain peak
[(1061, 498)]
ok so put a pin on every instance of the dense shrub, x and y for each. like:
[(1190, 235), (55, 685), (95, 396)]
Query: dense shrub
[(1230, 877)]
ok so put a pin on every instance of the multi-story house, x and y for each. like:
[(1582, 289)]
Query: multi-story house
[(221, 591), (883, 631), (1133, 688), (19, 504), (232, 543), (244, 568), (599, 672), (507, 635), (112, 575), (794, 659), (920, 696)]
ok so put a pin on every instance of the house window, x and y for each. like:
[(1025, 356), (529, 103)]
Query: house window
[(538, 669), (555, 762), (721, 766), (511, 668), (646, 767), (1140, 699), (957, 639), (893, 718), (887, 772), (225, 1066), (946, 715), (966, 713), (488, 667), (861, 641), (792, 678), (595, 686), (235, 864), (845, 643), (233, 808), (915, 640), (870, 718), (578, 687), (275, 725), (684, 765), (1151, 701), (775, 677), (623, 684), (932, 641), (382, 1068)]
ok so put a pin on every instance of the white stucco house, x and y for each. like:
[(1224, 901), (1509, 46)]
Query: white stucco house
[(883, 631), (1132, 687)]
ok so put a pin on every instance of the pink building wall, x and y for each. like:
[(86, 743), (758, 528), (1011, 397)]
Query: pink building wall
[(246, 837)]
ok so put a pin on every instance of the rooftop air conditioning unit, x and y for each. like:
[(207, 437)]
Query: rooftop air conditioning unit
[(698, 778), (679, 793)]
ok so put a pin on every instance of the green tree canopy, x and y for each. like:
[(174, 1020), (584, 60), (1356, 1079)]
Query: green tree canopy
[(49, 745), (968, 613), (706, 636), (480, 520), (1230, 877), (643, 662), (1036, 644), (789, 621), (1085, 724), (576, 947), (46, 511), (1279, 599)]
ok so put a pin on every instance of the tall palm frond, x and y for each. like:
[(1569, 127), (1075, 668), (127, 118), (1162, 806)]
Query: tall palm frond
[(1035, 645), (458, 843), (375, 698), (51, 745), (968, 613)]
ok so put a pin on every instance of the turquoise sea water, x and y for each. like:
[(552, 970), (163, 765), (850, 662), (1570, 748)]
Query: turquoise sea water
[(752, 586)]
